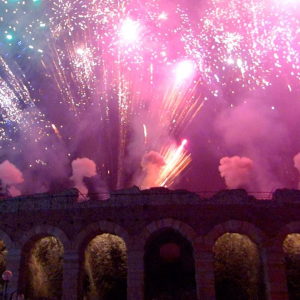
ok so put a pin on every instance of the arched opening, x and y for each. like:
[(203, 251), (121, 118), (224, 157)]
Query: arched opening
[(169, 267), (3, 252), (238, 268), (105, 268), (291, 248), (42, 269)]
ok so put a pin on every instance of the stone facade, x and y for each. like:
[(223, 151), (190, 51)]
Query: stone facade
[(136, 216)]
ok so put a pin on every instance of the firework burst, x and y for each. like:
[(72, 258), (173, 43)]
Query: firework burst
[(109, 65)]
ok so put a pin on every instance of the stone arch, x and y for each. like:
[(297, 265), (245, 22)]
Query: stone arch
[(292, 227), (185, 230), (7, 240), (287, 244), (276, 244), (239, 271), (34, 239), (250, 232), (98, 228), (235, 226), (42, 231), (81, 242), (169, 259)]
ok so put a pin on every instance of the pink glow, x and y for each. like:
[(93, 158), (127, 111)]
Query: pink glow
[(163, 16), (129, 30), (184, 70)]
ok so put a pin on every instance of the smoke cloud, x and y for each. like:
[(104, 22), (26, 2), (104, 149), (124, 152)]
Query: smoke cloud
[(152, 164), (253, 130), (297, 165), (82, 167), (10, 176), (236, 171)]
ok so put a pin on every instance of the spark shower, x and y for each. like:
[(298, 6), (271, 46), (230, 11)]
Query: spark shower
[(154, 92)]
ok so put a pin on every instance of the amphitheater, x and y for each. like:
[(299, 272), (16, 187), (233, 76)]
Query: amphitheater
[(147, 220)]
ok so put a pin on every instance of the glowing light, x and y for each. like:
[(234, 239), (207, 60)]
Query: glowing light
[(230, 61), (145, 133), (184, 70), (239, 63), (56, 131), (177, 160), (163, 16), (184, 142), (80, 51), (129, 30)]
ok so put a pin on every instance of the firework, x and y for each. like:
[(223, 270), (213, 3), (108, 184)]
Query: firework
[(176, 160), (111, 63), (14, 95), (246, 44), (56, 131)]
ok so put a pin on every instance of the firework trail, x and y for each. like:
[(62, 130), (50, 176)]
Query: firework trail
[(247, 44), (105, 64), (177, 159), (119, 54), (14, 95)]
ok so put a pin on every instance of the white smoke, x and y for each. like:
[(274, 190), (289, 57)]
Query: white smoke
[(10, 176), (236, 171), (152, 164), (82, 167), (256, 131), (297, 165)]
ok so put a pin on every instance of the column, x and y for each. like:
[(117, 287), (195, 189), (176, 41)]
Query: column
[(204, 268), (276, 275), (135, 275), (13, 262), (71, 275)]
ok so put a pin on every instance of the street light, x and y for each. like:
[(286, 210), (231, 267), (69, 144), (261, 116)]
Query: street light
[(7, 276)]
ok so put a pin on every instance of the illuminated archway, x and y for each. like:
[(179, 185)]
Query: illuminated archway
[(42, 268), (291, 248), (105, 268), (238, 268)]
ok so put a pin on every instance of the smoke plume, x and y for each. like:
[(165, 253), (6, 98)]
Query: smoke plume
[(253, 130), (152, 164), (297, 165), (82, 167), (236, 171), (10, 176)]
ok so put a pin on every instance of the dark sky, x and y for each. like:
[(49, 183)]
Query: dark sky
[(246, 74)]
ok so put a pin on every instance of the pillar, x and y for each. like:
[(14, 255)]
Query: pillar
[(275, 272), (13, 259), (135, 275), (71, 275), (204, 267)]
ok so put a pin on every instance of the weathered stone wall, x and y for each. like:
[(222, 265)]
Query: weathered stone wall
[(136, 215)]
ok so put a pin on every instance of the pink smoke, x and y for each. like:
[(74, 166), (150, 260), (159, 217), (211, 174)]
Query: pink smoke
[(297, 165), (82, 167), (10, 176), (254, 130), (152, 164), (236, 171)]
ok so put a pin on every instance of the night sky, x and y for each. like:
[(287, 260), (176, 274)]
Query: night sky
[(103, 95)]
